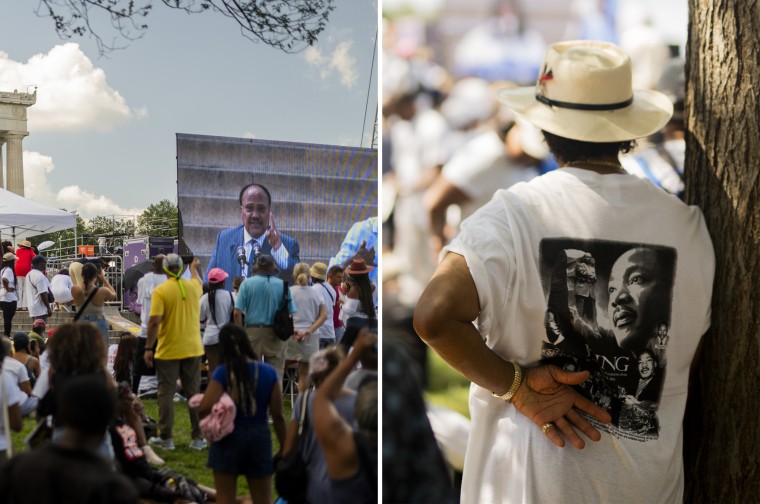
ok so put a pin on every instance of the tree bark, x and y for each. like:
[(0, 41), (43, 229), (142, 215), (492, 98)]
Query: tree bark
[(722, 423)]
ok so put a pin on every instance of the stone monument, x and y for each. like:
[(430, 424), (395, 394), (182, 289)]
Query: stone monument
[(12, 130)]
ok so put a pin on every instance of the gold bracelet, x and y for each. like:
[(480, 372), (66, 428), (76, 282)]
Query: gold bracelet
[(516, 381)]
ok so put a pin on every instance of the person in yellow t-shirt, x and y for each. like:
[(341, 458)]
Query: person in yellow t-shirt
[(175, 348)]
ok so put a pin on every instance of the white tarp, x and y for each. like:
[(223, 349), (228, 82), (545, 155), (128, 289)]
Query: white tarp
[(21, 218)]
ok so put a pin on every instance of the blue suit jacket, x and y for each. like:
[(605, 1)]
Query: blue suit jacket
[(224, 256)]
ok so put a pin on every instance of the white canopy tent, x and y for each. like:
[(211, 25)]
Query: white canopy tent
[(21, 218)]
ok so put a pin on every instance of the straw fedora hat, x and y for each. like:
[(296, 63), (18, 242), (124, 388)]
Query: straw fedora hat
[(584, 93), (25, 244)]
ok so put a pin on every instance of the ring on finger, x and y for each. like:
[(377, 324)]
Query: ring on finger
[(547, 426)]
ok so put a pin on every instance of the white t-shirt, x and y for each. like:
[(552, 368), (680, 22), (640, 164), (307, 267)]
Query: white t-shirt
[(351, 308), (307, 302), (145, 287), (111, 357), (6, 296), (18, 374), (36, 284), (481, 167), (587, 244), (42, 385), (14, 397), (327, 294), (61, 286), (225, 302)]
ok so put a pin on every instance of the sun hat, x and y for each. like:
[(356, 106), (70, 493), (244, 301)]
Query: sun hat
[(584, 92), (319, 271), (357, 267), (217, 275), (9, 256), (25, 244)]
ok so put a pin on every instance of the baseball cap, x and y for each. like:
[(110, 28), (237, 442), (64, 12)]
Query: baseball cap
[(217, 275), (39, 323)]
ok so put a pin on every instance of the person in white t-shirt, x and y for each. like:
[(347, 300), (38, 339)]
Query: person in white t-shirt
[(311, 315), (326, 292), (60, 286), (37, 286), (217, 306), (611, 257), (10, 399), (145, 287), (19, 380)]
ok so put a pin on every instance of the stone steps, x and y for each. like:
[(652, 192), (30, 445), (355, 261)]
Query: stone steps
[(23, 322)]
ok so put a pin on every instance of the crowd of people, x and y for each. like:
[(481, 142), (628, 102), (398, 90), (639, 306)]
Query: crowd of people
[(223, 318)]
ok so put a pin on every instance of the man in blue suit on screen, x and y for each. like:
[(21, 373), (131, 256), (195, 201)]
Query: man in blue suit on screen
[(237, 248)]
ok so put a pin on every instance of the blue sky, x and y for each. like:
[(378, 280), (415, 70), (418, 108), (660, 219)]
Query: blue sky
[(102, 134)]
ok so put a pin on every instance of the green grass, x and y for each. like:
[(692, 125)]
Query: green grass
[(446, 387), (190, 463)]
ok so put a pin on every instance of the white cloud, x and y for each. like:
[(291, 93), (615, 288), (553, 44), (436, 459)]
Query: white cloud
[(72, 94), (345, 64), (339, 60), (248, 134), (73, 198)]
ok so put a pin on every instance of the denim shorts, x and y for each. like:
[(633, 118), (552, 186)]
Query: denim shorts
[(247, 450)]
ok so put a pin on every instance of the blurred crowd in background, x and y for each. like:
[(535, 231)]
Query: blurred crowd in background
[(448, 144)]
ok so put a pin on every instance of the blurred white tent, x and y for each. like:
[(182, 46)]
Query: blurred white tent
[(21, 218)]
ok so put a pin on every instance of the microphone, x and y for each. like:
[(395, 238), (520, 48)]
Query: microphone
[(240, 252), (256, 250)]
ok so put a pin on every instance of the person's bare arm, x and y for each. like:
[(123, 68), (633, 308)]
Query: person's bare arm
[(78, 294), (438, 198), (195, 270), (213, 392), (334, 434), (26, 387), (443, 319), (15, 420), (278, 415), (320, 320), (106, 292), (154, 322), (238, 316)]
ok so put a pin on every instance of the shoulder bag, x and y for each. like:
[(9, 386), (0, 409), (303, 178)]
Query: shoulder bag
[(283, 322), (291, 476), (86, 302)]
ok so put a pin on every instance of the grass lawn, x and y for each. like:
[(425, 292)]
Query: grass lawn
[(190, 463), (446, 387)]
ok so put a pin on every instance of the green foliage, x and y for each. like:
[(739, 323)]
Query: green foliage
[(446, 387), (159, 219), (288, 25), (111, 226)]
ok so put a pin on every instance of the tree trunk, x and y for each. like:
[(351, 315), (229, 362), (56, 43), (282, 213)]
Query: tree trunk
[(722, 423)]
